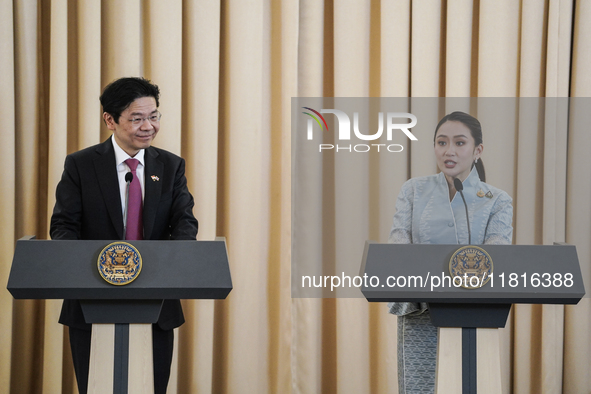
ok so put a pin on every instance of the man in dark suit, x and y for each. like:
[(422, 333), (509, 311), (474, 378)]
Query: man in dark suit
[(90, 201)]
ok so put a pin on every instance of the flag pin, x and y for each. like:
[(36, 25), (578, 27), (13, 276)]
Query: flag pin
[(155, 178)]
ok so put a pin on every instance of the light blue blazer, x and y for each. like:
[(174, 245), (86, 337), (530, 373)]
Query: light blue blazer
[(424, 215)]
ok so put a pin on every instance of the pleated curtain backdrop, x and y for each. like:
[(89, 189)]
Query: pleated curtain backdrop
[(227, 71)]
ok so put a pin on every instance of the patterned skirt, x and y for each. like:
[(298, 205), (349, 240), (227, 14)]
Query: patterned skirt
[(417, 354)]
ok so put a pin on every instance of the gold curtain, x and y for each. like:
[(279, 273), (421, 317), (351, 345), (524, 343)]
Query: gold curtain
[(227, 71)]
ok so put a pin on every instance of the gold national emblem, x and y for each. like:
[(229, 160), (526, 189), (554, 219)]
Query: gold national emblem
[(473, 265), (119, 263)]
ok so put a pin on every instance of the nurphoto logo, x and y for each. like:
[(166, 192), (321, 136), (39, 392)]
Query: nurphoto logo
[(393, 123)]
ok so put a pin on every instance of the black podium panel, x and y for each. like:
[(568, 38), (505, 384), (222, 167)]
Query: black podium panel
[(469, 315), (518, 275), (170, 270), (121, 311)]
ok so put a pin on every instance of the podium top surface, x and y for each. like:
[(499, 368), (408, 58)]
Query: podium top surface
[(44, 269)]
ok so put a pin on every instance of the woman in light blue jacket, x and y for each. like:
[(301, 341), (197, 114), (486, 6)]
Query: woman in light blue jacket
[(429, 211)]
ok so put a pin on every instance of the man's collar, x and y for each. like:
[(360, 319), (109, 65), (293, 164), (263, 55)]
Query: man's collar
[(121, 155)]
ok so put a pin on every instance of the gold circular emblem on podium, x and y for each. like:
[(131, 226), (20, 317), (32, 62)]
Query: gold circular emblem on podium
[(473, 265), (119, 263)]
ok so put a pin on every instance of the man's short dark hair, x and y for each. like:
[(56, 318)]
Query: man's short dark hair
[(120, 93)]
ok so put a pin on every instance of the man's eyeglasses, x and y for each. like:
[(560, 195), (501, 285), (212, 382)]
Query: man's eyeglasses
[(154, 119)]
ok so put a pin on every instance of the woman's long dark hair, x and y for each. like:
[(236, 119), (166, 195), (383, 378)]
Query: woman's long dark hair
[(475, 129)]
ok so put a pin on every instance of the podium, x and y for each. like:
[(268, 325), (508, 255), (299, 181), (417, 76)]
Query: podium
[(121, 348), (468, 358)]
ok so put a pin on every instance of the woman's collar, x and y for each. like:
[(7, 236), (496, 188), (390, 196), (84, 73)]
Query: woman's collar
[(471, 181)]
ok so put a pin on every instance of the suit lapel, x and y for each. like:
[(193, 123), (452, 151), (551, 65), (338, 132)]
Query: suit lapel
[(153, 189), (106, 173)]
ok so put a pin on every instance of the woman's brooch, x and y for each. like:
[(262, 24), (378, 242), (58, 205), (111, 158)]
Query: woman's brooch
[(488, 194)]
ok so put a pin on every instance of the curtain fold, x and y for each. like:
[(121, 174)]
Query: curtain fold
[(199, 113), (243, 217), (88, 48), (7, 177), (351, 79), (228, 71), (306, 326)]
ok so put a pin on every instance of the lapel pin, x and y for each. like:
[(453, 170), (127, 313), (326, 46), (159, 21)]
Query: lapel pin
[(489, 194), (155, 178), (480, 193)]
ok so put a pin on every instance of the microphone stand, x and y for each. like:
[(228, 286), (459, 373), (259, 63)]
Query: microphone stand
[(128, 179), (460, 187)]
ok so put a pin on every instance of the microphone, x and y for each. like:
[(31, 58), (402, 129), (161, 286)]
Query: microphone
[(128, 179), (457, 184), (460, 187)]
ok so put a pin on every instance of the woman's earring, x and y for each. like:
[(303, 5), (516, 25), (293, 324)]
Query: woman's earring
[(476, 161)]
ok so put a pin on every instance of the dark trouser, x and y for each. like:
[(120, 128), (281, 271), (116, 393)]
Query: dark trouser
[(162, 342)]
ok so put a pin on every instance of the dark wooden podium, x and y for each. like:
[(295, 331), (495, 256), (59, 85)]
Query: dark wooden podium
[(121, 349), (468, 354)]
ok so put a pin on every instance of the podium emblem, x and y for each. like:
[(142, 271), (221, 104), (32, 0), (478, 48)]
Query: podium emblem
[(473, 265), (119, 263)]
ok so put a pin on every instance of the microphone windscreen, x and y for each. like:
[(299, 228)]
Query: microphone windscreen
[(128, 177), (458, 185)]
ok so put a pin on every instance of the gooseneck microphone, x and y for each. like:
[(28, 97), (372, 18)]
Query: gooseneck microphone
[(128, 179), (460, 187)]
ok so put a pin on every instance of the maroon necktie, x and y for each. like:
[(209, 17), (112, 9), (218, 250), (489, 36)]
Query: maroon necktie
[(135, 225)]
